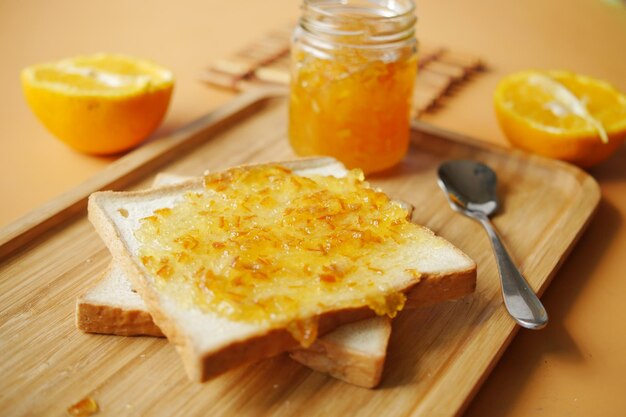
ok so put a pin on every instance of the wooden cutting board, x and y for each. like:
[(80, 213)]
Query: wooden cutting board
[(438, 356)]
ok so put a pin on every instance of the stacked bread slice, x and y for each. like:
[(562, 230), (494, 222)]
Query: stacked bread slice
[(130, 300)]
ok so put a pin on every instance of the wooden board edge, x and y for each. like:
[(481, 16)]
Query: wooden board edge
[(128, 168)]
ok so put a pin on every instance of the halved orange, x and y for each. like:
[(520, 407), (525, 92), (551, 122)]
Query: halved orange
[(99, 104), (561, 115)]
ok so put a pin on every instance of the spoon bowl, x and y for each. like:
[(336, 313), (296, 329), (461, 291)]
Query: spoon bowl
[(470, 185)]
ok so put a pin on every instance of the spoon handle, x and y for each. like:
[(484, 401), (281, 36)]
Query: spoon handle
[(520, 300)]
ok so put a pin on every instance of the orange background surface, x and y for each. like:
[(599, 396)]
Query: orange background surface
[(577, 365)]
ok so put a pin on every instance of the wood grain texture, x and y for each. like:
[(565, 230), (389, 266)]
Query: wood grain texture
[(438, 356)]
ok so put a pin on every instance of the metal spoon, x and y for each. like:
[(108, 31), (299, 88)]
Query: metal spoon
[(471, 189)]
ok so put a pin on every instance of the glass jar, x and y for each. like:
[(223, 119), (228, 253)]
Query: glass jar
[(353, 68)]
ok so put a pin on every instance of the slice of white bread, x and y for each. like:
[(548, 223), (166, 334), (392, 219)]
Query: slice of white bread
[(210, 344)]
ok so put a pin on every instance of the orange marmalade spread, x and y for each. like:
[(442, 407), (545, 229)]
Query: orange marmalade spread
[(360, 117), (262, 244), (84, 408)]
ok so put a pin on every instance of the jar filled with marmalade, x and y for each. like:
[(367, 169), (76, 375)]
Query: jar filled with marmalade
[(354, 64)]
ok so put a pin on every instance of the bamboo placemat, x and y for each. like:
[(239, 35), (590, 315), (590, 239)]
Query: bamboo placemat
[(266, 62)]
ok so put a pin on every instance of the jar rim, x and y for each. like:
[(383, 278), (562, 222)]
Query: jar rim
[(359, 23), (314, 5)]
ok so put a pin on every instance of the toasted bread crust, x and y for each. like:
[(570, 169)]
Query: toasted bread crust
[(352, 367), (434, 289), (105, 319), (355, 367)]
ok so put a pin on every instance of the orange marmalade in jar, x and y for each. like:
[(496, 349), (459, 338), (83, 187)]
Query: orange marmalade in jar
[(354, 63)]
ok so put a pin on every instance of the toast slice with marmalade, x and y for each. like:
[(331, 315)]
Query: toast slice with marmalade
[(250, 262)]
